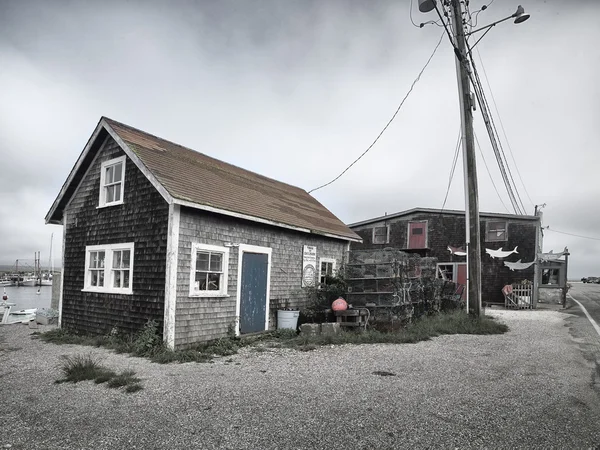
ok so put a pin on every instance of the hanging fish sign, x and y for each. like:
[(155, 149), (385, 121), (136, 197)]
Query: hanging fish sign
[(518, 265), (500, 253), (458, 251)]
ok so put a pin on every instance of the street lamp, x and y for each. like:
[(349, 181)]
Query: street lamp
[(463, 71), (520, 16)]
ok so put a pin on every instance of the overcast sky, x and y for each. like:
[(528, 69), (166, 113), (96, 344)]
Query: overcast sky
[(296, 91)]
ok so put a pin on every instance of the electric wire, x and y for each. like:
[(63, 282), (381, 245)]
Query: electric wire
[(390, 121), (494, 137), (502, 127), (489, 173), (572, 234), (480, 98), (456, 152), (489, 123)]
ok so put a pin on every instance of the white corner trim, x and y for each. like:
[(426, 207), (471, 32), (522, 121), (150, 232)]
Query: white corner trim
[(62, 272), (245, 248), (197, 246), (171, 276), (138, 162)]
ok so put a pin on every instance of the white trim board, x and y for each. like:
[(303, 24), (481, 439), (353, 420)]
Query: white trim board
[(245, 248), (171, 276), (250, 218)]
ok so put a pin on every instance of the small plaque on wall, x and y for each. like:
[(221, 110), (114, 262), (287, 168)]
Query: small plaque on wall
[(309, 266)]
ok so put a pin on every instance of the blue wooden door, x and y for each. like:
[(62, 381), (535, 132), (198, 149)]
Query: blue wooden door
[(253, 293)]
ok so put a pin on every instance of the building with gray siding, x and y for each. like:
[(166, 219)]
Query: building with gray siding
[(156, 231)]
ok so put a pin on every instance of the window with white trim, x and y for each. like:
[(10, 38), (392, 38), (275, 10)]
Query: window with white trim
[(496, 231), (208, 270), (109, 268), (327, 269), (380, 235), (112, 182)]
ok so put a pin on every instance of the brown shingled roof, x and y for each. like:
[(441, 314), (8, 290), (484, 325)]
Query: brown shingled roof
[(201, 180)]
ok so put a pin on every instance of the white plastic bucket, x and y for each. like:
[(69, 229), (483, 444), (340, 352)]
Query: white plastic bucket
[(287, 319)]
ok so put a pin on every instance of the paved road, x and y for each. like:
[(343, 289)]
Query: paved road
[(581, 328), (589, 296)]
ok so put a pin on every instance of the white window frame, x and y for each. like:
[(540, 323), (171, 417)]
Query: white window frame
[(222, 292), (387, 234), (333, 262), (102, 203), (495, 239), (108, 250)]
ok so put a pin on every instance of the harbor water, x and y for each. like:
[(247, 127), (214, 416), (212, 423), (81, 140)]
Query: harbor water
[(26, 297)]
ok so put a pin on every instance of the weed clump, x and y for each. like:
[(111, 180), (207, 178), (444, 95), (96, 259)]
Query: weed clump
[(76, 368)]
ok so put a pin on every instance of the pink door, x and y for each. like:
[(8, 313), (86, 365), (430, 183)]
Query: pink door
[(461, 278), (417, 235)]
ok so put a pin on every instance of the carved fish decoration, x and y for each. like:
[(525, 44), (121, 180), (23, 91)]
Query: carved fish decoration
[(458, 251), (500, 253), (518, 265)]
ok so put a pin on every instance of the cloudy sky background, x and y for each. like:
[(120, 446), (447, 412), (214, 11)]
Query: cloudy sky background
[(296, 91)]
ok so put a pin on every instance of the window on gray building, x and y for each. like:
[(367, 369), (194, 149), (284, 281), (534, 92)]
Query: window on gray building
[(380, 235), (496, 231)]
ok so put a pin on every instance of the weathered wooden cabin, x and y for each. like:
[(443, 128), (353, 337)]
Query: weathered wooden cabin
[(156, 231), (441, 234)]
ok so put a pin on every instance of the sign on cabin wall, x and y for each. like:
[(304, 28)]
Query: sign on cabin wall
[(309, 266)]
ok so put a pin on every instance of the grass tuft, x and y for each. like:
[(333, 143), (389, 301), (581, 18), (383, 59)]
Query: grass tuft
[(125, 378), (76, 368), (148, 343)]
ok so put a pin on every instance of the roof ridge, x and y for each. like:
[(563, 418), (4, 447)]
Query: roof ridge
[(109, 120)]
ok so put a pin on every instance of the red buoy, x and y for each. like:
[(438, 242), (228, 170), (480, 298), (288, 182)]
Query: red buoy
[(339, 305)]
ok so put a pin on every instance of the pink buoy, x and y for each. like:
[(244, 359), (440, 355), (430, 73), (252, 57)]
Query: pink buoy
[(339, 305)]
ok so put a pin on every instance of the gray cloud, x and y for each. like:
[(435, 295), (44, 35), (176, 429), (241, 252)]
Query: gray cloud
[(296, 91)]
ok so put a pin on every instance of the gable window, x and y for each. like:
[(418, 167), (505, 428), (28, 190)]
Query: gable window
[(380, 235), (208, 274), (112, 179), (109, 268), (327, 269), (496, 231)]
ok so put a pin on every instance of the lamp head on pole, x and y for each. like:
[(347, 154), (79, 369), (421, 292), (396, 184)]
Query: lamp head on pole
[(520, 16), (426, 5)]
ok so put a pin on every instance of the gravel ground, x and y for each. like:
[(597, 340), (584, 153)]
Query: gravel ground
[(529, 388)]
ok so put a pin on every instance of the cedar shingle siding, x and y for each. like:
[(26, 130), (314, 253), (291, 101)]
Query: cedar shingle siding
[(202, 319), (449, 229), (198, 200), (143, 219)]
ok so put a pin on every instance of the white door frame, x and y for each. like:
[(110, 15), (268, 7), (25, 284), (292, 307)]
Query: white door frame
[(245, 248)]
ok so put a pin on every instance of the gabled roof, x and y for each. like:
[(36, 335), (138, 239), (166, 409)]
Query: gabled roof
[(450, 212), (189, 178)]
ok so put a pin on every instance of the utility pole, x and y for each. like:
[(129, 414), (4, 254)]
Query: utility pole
[(472, 230)]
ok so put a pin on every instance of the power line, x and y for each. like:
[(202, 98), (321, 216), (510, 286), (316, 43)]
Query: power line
[(488, 171), (453, 167), (389, 122), (511, 188), (571, 234), (503, 130), (422, 24)]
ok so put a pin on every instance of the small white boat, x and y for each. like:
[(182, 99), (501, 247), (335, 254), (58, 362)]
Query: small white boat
[(28, 282), (20, 316)]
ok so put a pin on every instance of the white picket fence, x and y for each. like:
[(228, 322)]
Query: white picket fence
[(518, 296)]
